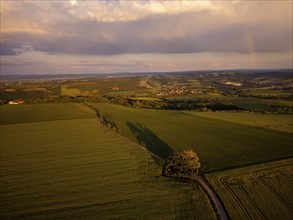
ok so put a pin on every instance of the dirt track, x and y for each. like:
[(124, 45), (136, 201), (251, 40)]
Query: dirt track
[(220, 208), (221, 212)]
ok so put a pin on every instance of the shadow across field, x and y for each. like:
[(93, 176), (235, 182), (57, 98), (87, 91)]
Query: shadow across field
[(150, 140)]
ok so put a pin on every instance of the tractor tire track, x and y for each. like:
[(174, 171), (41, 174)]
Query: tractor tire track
[(271, 189), (235, 197), (252, 203)]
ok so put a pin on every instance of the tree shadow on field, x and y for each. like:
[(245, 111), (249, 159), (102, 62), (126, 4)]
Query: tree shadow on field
[(150, 140)]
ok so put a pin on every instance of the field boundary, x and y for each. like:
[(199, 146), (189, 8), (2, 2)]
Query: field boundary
[(247, 165)]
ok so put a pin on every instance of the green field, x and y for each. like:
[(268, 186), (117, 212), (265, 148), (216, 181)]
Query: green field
[(273, 121), (257, 192), (247, 103), (219, 144), (142, 93), (146, 99), (11, 114), (74, 169), (266, 91), (257, 103), (34, 89), (70, 91), (209, 95)]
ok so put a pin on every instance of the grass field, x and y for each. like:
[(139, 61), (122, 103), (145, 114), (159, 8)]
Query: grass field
[(142, 93), (257, 192), (272, 121), (35, 89), (146, 99), (70, 91), (10, 114), (74, 169), (247, 103), (266, 91), (197, 96), (219, 144), (257, 103)]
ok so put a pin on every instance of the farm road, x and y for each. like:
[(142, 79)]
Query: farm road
[(220, 208)]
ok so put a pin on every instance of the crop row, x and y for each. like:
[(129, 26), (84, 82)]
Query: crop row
[(256, 193)]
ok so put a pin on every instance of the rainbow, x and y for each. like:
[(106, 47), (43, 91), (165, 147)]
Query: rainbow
[(251, 48)]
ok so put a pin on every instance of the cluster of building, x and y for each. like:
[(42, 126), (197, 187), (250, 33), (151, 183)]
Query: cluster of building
[(233, 83), (177, 90), (15, 102)]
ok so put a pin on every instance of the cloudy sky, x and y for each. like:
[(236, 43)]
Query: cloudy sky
[(71, 36)]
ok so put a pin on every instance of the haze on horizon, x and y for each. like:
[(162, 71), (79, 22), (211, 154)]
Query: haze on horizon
[(71, 36)]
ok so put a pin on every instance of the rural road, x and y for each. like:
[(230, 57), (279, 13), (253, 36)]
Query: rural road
[(221, 210)]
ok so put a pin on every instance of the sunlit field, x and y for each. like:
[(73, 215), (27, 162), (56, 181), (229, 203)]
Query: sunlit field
[(220, 144), (281, 122), (75, 169), (146, 110)]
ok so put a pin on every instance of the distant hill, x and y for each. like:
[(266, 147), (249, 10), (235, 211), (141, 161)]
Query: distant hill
[(284, 73)]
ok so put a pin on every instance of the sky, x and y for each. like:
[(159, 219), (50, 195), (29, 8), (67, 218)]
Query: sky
[(75, 37)]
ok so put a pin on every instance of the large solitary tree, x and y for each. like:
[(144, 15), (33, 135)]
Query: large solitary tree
[(182, 164)]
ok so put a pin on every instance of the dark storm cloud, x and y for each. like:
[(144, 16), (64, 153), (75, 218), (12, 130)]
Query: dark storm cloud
[(183, 33), (7, 50)]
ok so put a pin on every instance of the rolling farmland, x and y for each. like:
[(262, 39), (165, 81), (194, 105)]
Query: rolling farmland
[(57, 162), (220, 144), (75, 169), (146, 110)]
